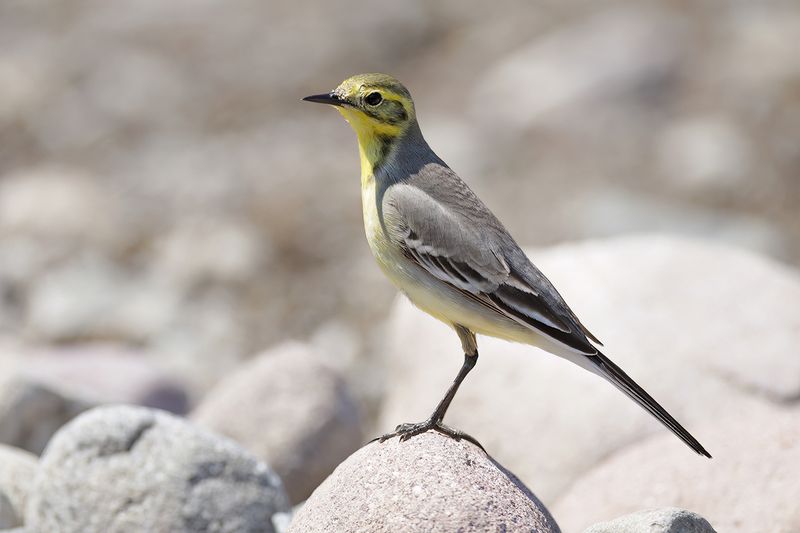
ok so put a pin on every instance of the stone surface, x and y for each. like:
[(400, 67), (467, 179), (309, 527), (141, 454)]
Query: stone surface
[(291, 409), (428, 483), (680, 326), (750, 485), (17, 470), (8, 513), (118, 469), (669, 520)]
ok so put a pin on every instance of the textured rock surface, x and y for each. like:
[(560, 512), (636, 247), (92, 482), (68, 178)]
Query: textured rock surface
[(679, 327), (428, 483), (750, 485), (669, 520), (118, 469), (290, 409), (17, 470)]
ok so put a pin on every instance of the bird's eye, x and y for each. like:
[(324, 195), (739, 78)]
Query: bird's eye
[(373, 98)]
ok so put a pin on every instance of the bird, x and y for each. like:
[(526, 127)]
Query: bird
[(450, 255)]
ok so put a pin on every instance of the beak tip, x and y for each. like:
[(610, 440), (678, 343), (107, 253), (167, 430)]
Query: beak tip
[(326, 98)]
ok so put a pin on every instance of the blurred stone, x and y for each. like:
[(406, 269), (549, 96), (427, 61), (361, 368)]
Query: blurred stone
[(42, 389), (609, 212), (93, 297), (122, 468), (23, 81), (17, 470), (30, 410), (289, 408), (207, 250), (705, 152), (667, 520), (106, 373), (339, 343), (609, 53), (59, 203), (752, 477), (730, 356), (8, 514), (752, 52), (428, 483), (205, 341)]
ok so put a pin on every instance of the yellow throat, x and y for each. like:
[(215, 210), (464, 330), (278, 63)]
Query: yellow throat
[(374, 140)]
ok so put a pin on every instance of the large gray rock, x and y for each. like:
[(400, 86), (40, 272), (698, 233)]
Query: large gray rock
[(750, 485), (668, 520), (669, 313), (428, 483), (119, 469), (292, 410), (17, 470)]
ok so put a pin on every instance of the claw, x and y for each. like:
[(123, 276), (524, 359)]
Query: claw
[(406, 431)]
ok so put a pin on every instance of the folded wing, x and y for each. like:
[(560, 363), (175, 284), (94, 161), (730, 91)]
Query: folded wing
[(468, 250)]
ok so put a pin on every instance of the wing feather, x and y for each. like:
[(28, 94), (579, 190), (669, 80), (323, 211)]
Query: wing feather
[(469, 256)]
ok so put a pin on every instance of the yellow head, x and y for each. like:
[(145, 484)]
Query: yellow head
[(378, 107)]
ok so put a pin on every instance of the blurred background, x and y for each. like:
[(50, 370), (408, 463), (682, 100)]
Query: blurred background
[(164, 191)]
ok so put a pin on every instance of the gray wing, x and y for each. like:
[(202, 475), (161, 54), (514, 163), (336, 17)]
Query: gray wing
[(458, 240)]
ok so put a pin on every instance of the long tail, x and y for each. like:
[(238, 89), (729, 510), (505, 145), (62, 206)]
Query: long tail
[(607, 369)]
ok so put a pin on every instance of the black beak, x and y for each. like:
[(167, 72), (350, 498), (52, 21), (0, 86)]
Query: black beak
[(328, 98)]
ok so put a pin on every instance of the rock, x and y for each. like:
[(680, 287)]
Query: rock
[(8, 514), (42, 389), (108, 373), (290, 409), (81, 298), (59, 204), (121, 468), (668, 314), (428, 483), (610, 212), (30, 410), (17, 470), (206, 250), (705, 153), (607, 54), (669, 520), (752, 478)]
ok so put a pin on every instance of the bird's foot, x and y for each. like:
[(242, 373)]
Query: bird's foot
[(408, 430)]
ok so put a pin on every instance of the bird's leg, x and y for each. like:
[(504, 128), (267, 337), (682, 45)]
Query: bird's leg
[(434, 422)]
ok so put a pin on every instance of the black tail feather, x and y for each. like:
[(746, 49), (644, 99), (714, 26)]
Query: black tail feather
[(624, 382)]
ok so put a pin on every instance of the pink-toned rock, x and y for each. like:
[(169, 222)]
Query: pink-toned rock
[(750, 485), (428, 483), (292, 410)]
